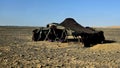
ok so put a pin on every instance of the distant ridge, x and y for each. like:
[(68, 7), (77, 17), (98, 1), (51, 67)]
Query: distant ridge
[(106, 26), (113, 27)]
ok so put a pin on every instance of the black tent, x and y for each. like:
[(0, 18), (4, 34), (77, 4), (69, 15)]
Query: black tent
[(57, 32)]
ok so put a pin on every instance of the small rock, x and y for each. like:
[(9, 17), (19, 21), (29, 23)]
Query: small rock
[(22, 55), (0, 53), (38, 66)]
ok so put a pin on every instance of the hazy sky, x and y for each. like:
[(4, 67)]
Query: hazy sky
[(42, 12)]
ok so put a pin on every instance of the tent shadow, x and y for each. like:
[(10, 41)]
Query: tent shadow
[(72, 40), (105, 42), (109, 41), (93, 44)]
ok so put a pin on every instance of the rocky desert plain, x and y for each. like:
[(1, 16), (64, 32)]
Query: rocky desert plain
[(17, 50)]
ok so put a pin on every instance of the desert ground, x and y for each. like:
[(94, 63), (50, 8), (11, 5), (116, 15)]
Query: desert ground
[(17, 50)]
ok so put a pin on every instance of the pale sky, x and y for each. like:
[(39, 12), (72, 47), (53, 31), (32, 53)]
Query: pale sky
[(42, 12)]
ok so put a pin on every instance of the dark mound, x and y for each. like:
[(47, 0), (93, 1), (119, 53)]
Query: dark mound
[(70, 23)]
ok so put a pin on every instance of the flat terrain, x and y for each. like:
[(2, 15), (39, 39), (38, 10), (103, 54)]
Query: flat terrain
[(17, 50)]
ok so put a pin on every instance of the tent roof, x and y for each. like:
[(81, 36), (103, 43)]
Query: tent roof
[(70, 23)]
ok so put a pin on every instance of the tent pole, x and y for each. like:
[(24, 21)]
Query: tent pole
[(47, 35)]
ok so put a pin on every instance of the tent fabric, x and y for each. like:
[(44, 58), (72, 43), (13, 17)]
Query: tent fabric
[(70, 23), (58, 26)]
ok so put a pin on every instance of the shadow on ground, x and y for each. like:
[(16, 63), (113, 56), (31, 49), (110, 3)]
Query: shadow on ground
[(109, 41), (105, 42), (73, 40)]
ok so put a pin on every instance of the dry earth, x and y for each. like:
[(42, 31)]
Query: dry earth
[(17, 50)]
